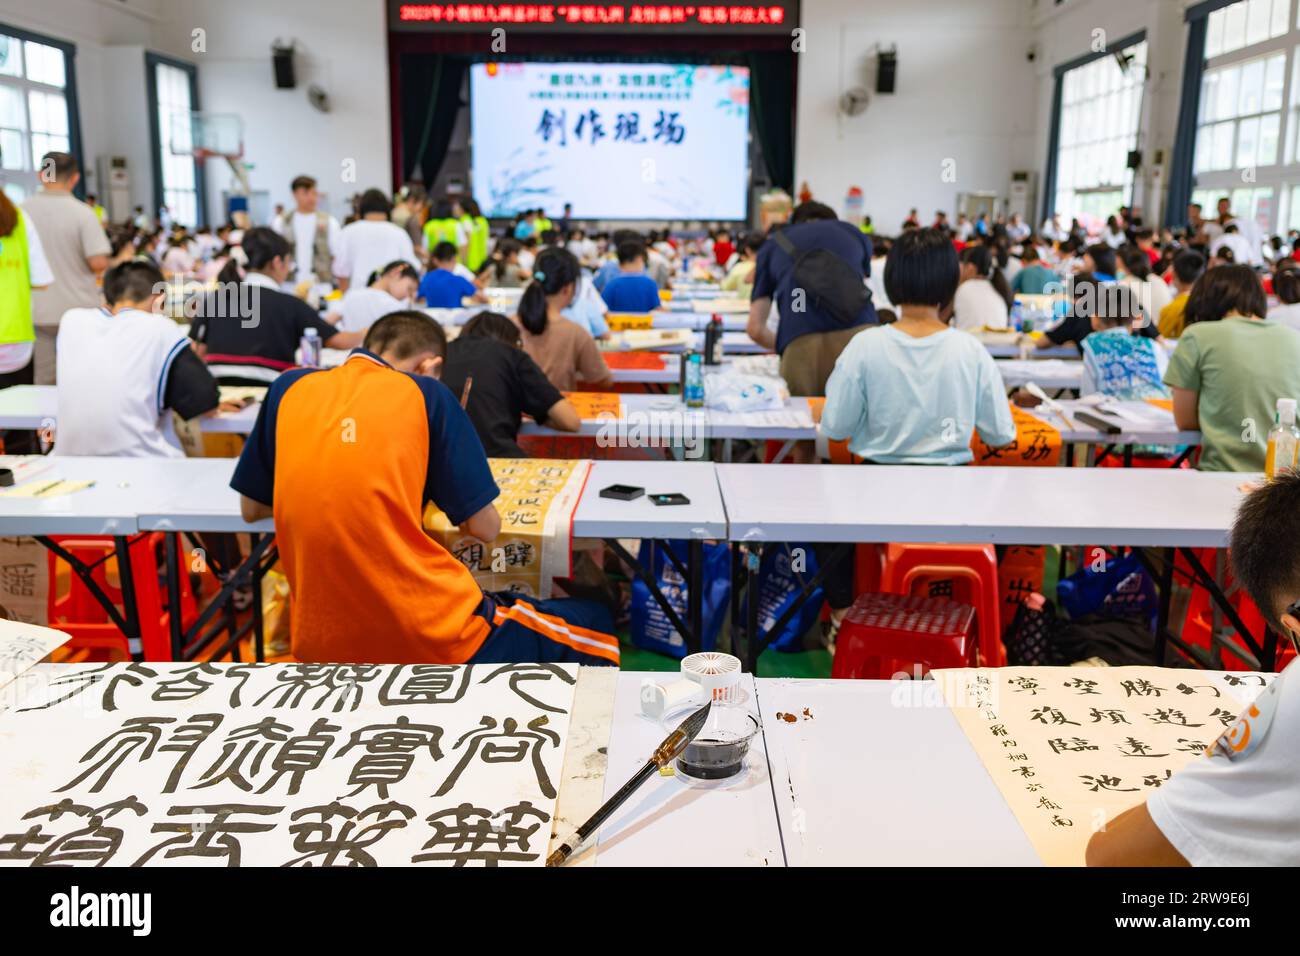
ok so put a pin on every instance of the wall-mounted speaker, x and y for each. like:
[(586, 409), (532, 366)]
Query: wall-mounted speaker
[(886, 71), (282, 64)]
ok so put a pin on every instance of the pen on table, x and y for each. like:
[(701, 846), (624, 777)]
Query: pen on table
[(464, 392)]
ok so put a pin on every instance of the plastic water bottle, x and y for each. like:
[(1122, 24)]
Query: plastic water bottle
[(713, 341), (1283, 441), (693, 391), (1017, 316), (309, 349)]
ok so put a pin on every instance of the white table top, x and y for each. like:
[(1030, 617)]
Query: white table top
[(194, 494), (669, 416), (110, 507), (672, 822), (1050, 374), (37, 406), (704, 517), (880, 774), (916, 503)]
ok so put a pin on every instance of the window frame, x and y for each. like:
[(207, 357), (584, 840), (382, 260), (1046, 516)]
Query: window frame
[(152, 61), (69, 51)]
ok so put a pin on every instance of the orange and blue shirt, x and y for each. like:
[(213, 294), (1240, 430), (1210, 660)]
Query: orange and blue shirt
[(347, 458)]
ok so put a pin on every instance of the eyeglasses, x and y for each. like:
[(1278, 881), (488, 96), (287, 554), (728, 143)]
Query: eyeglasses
[(1294, 610)]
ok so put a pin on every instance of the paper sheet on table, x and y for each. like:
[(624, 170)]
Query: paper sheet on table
[(647, 361), (767, 365), (46, 488), (246, 764), (1050, 373), (594, 404), (653, 339), (1070, 748), (720, 305), (622, 321), (538, 499), (237, 393)]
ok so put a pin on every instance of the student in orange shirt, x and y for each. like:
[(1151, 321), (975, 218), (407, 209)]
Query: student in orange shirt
[(345, 460)]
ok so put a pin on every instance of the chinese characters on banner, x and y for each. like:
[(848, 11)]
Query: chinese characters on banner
[(561, 126), (1037, 443), (538, 498), (283, 764), (1070, 748)]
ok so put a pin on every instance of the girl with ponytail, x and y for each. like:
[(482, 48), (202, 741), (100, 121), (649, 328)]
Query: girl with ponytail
[(983, 298), (565, 351)]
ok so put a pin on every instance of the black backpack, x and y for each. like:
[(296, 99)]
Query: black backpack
[(828, 282)]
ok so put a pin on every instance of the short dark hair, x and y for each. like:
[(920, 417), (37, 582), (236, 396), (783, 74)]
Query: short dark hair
[(1136, 262), (492, 325), (400, 266), (302, 182), (373, 200), (1103, 258), (443, 252), (810, 211), (132, 281), (1286, 284), (63, 164), (1188, 265), (1111, 303), (1224, 289), (1028, 253), (405, 333), (630, 250), (922, 269), (1265, 545)]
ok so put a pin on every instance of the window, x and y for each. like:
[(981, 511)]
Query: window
[(1101, 110), (36, 112), (1248, 124), (177, 177)]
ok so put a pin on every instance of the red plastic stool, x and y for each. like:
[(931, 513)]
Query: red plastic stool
[(975, 566), (887, 634), (79, 615), (1198, 624)]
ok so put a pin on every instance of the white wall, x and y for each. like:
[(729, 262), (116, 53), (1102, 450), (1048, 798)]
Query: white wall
[(965, 92), (342, 47)]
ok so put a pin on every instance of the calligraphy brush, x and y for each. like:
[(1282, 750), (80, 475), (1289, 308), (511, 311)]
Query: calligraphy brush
[(664, 754)]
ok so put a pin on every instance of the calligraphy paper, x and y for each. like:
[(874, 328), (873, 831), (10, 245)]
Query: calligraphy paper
[(640, 361), (622, 321), (179, 764), (1070, 748), (591, 405), (24, 645), (538, 499)]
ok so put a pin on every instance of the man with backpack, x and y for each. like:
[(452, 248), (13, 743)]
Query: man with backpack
[(815, 271)]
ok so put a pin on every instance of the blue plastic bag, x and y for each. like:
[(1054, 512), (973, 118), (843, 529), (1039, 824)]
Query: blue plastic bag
[(779, 585), (1122, 588), (650, 627)]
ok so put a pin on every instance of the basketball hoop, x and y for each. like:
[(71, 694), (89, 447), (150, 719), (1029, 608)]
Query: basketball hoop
[(205, 136)]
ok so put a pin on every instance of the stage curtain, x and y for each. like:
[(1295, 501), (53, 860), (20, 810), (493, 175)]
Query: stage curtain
[(430, 100), (771, 98)]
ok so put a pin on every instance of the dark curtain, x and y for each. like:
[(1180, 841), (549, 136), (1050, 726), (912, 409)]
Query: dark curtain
[(771, 98), (430, 100), (1181, 178)]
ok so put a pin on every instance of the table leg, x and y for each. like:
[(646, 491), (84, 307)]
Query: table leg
[(1260, 651), (652, 585), (173, 583), (695, 595), (130, 609), (1166, 591), (86, 572), (753, 554)]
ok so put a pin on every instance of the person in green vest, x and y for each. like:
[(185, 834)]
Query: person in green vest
[(23, 267), (541, 224), (93, 202), (476, 230), (443, 226)]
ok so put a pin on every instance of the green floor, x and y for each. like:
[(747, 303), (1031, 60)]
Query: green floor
[(777, 664)]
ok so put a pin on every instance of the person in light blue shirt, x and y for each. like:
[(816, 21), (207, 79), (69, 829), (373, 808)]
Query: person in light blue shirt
[(1035, 278), (913, 391), (631, 290), (588, 309)]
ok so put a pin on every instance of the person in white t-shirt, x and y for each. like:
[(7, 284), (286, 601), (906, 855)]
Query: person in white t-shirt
[(983, 300), (371, 243), (1135, 273), (313, 232), (392, 291), (1239, 803), (124, 369)]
